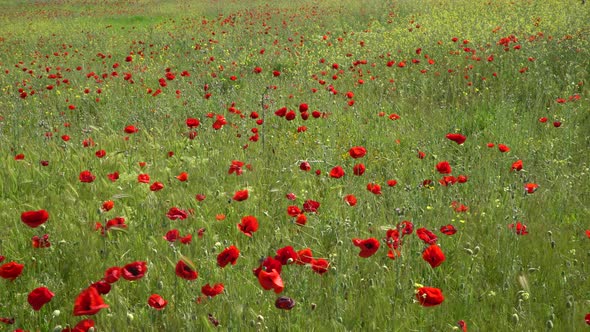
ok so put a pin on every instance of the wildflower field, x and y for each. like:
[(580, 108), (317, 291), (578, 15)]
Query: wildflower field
[(294, 165)]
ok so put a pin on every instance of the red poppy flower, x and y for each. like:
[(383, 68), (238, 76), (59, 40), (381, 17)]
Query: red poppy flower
[(587, 234), (350, 200), (134, 271), (433, 255), (38, 297), (192, 122), (281, 111), (305, 166), (393, 253), (172, 235), (303, 107), (406, 227), (2, 258), (293, 211), (143, 178), (88, 302), (34, 219), (113, 176), (182, 177), (271, 280), (503, 148), (462, 178), (212, 291), (284, 303), (100, 153), (587, 318), (187, 239), (82, 326), (241, 195), (457, 138), (157, 186), (429, 296), (268, 264), (11, 270), (175, 213), (516, 166), (337, 172), (458, 207), (130, 129), (359, 169), (219, 122), (374, 188), (357, 152), (320, 265), (311, 206), (368, 246), (86, 176), (392, 239), (227, 256), (443, 167), (157, 302), (447, 180), (448, 229), (102, 287), (462, 325), (184, 271), (427, 236), (41, 242), (236, 167), (304, 256), (200, 233), (301, 219), (107, 205), (112, 274), (200, 197), (391, 183), (118, 222), (286, 255), (248, 225), (99, 227), (519, 228), (421, 155), (531, 187)]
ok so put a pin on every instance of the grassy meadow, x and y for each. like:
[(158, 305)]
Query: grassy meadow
[(405, 144)]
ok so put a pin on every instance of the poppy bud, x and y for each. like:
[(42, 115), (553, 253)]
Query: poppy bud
[(515, 318), (285, 303)]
